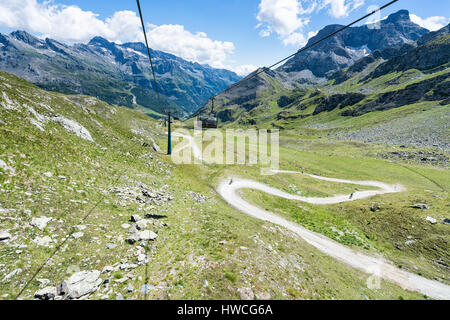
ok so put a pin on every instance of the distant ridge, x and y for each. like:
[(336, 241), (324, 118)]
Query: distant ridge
[(115, 73)]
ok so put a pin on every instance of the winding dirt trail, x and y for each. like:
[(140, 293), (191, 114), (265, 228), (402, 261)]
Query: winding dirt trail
[(383, 189), (376, 266)]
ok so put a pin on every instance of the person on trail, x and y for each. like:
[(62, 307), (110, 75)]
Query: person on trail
[(231, 181), (351, 196)]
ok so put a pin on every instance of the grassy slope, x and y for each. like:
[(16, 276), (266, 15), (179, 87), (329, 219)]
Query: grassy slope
[(387, 230), (266, 113), (272, 262), (396, 230), (298, 113), (90, 168)]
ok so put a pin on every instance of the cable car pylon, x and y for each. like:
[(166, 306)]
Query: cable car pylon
[(168, 111)]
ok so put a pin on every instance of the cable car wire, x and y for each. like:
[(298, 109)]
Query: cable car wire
[(148, 53), (169, 142)]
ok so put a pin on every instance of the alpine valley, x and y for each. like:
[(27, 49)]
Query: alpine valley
[(115, 73), (93, 207), (387, 84)]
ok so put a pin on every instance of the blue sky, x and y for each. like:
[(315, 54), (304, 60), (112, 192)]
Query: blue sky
[(233, 34)]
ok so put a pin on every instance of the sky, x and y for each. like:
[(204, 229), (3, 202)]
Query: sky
[(239, 35)]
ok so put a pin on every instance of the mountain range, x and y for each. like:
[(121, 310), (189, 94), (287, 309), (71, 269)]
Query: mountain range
[(119, 74), (116, 73), (357, 72), (346, 47)]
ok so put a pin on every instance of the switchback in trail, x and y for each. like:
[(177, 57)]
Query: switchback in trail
[(376, 266)]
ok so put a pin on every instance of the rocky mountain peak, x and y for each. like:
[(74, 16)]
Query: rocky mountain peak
[(325, 31), (3, 39), (433, 35), (352, 44), (398, 17), (115, 73), (99, 41), (138, 46), (27, 38)]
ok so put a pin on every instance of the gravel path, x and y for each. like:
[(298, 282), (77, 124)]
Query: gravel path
[(377, 266)]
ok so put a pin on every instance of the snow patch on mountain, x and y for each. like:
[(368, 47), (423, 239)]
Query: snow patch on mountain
[(362, 50), (135, 52)]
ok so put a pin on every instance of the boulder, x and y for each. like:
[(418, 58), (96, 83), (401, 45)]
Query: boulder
[(12, 274), (48, 293), (135, 218), (146, 235), (4, 235), (146, 288), (421, 206), (107, 269), (43, 241), (73, 127), (128, 266), (141, 224), (78, 235), (121, 280), (142, 257), (156, 148), (7, 168), (133, 229), (80, 284), (41, 222), (120, 297), (431, 220), (43, 282), (132, 239)]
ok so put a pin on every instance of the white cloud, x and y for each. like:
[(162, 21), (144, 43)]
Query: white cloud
[(71, 24), (244, 69), (288, 18), (298, 39), (312, 34), (280, 16), (431, 23), (68, 23), (295, 39), (341, 8), (193, 47), (265, 33)]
